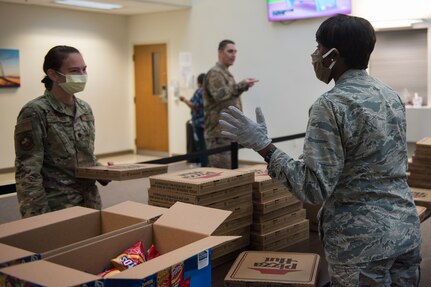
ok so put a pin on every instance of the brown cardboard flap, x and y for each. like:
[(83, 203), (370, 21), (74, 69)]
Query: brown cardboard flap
[(174, 257), (193, 218), (57, 234), (48, 274), (9, 253), (18, 226), (136, 209), (95, 256)]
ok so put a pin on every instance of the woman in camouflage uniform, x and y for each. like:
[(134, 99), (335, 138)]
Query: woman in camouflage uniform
[(354, 162), (54, 135)]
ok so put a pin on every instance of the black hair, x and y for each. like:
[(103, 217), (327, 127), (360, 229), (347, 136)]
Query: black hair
[(201, 78), (353, 37), (224, 43), (54, 60)]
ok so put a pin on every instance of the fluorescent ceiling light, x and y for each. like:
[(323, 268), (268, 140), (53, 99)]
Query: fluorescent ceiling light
[(89, 4), (398, 23)]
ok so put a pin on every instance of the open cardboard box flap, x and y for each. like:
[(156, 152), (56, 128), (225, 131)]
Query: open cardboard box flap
[(45, 273), (135, 209), (35, 222), (9, 253), (57, 231), (193, 218)]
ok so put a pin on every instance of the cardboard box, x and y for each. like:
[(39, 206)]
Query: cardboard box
[(202, 180), (254, 268), (283, 232), (48, 233), (204, 200), (269, 194), (265, 207), (121, 171), (276, 223), (282, 243), (181, 234), (421, 196), (169, 196), (260, 218), (262, 181), (423, 212)]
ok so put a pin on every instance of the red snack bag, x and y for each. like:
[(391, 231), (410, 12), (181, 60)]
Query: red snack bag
[(130, 257), (164, 278), (109, 272), (177, 274), (152, 252)]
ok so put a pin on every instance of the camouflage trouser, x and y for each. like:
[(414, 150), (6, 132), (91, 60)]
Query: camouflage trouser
[(220, 160), (401, 271)]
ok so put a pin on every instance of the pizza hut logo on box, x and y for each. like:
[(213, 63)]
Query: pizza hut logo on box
[(259, 172), (417, 194), (200, 174), (276, 266)]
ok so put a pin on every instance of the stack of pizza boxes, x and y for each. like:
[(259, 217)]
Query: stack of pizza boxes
[(419, 177), (279, 219), (211, 187), (420, 166)]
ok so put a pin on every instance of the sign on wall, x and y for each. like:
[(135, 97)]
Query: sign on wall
[(9, 68)]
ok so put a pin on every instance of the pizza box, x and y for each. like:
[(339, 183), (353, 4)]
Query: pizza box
[(259, 218), (423, 212), (267, 194), (424, 144), (276, 223), (159, 194), (201, 180), (274, 203), (281, 243), (262, 181), (258, 269), (421, 196), (282, 232), (120, 171)]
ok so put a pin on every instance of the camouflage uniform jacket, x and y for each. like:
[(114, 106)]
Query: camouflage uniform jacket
[(219, 91), (50, 142), (355, 162)]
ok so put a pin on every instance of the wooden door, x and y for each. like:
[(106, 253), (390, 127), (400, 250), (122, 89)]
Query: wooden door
[(151, 98)]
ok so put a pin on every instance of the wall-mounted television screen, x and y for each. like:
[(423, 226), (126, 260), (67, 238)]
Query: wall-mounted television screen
[(284, 10)]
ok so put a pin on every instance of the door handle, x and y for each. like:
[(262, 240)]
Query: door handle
[(164, 95)]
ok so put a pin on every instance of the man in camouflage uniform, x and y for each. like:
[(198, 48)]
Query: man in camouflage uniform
[(219, 92), (54, 135), (354, 162)]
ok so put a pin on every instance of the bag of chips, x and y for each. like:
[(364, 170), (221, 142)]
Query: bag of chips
[(130, 257)]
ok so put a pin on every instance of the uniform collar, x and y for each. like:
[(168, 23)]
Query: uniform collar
[(351, 73), (62, 108)]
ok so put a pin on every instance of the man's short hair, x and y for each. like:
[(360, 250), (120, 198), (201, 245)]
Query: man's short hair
[(354, 38), (224, 43)]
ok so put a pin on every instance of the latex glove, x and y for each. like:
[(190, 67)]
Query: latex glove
[(239, 128)]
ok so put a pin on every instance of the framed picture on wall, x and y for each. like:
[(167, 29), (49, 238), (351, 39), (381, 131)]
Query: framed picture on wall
[(9, 68)]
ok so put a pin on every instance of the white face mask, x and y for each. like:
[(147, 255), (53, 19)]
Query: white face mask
[(322, 73), (74, 83)]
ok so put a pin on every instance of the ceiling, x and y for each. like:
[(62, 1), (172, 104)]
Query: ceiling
[(130, 7)]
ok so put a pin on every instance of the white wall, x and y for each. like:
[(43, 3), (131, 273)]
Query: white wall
[(277, 54), (101, 38)]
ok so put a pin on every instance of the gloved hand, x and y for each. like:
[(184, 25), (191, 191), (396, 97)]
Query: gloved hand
[(239, 128)]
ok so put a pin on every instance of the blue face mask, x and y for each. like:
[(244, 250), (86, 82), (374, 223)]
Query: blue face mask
[(322, 73)]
